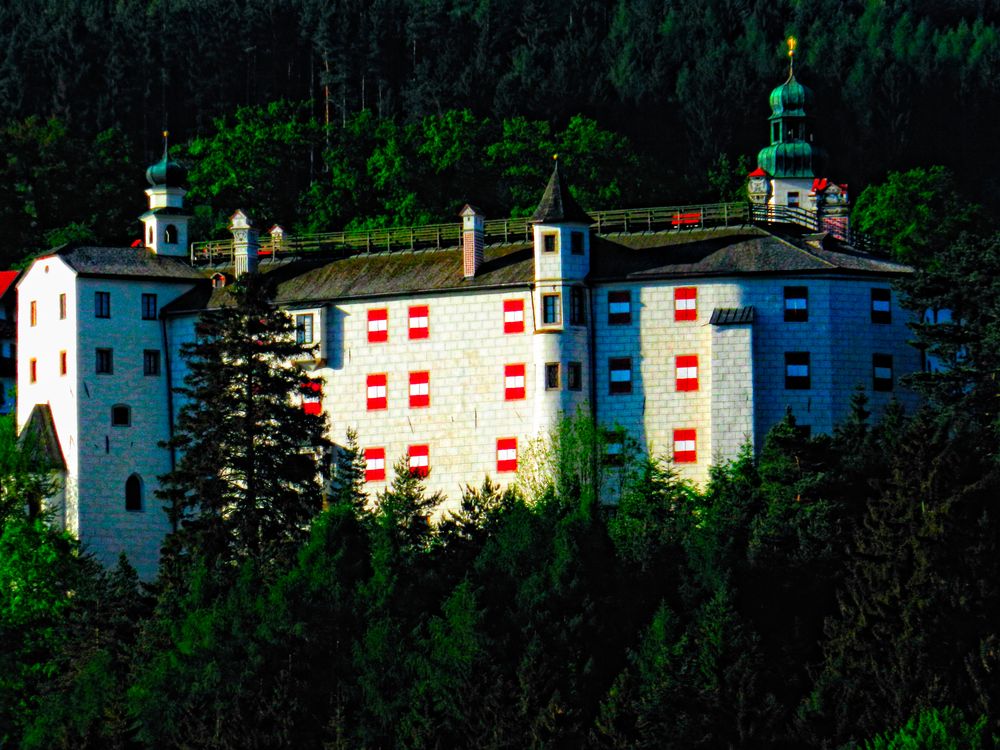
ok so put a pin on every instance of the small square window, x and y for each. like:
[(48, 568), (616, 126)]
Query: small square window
[(419, 322), (796, 304), (797, 371), (687, 372), (550, 309), (881, 306), (513, 316), (685, 446), (102, 304), (513, 382), (620, 375), (552, 376), (576, 243), (62, 307), (63, 363), (374, 464), (685, 303), (103, 361), (793, 199), (549, 242), (149, 307), (377, 386), (506, 454), (378, 326), (614, 447), (574, 376), (121, 416), (578, 306), (420, 462), (882, 372), (151, 362), (304, 329), (420, 389), (619, 308)]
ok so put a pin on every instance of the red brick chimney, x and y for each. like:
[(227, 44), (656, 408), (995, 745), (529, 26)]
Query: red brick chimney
[(473, 225)]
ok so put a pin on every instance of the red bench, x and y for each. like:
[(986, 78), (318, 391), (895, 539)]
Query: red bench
[(687, 220)]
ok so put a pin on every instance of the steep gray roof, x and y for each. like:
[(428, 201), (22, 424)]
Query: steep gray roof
[(40, 429), (558, 205), (126, 261)]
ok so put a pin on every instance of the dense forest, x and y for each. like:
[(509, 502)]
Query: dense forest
[(324, 113)]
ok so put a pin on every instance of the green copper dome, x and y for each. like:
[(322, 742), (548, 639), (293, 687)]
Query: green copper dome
[(792, 159), (791, 99), (166, 172)]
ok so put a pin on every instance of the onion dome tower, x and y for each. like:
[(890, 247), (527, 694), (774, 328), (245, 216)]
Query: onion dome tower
[(166, 221)]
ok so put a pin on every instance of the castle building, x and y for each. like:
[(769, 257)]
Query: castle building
[(695, 340)]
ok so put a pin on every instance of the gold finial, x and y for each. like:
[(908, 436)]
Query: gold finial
[(555, 157), (792, 43), (166, 133)]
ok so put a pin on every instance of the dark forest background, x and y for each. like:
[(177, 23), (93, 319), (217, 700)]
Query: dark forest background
[(87, 87)]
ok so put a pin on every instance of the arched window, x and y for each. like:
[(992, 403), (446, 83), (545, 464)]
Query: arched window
[(133, 493), (121, 415), (170, 234)]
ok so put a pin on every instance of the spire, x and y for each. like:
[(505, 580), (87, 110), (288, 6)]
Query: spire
[(166, 172), (557, 205)]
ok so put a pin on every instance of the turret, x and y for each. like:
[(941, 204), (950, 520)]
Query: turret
[(166, 221)]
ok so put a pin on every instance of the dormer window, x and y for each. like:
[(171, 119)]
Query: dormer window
[(218, 280)]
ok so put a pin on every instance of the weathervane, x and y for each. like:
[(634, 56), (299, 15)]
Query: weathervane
[(792, 44)]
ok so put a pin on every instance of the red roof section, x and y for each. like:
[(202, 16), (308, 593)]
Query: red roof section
[(758, 172), (6, 279)]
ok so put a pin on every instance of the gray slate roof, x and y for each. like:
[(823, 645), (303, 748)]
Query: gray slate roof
[(126, 261), (558, 206), (730, 316), (41, 429)]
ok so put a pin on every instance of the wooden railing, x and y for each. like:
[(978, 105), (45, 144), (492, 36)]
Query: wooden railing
[(627, 221)]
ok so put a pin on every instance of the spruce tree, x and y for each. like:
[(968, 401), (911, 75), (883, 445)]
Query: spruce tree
[(247, 480)]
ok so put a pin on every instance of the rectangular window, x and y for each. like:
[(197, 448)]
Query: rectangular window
[(103, 364), (62, 307), (304, 329), (685, 446), (619, 308), (793, 199), (506, 454), (420, 462), (374, 464), (63, 363), (34, 312), (549, 242), (687, 372), (576, 243), (577, 306), (312, 396), (796, 304), (550, 309), (574, 376), (419, 322), (378, 326), (513, 316), (614, 447), (797, 371), (513, 382), (620, 375), (881, 306), (376, 391), (102, 304), (685, 303), (149, 307), (882, 372), (552, 376), (420, 389), (33, 371), (151, 362)]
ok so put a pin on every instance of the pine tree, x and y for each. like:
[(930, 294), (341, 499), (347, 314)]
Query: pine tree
[(246, 483)]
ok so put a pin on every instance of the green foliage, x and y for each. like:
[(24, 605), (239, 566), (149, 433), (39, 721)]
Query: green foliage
[(933, 729), (25, 478)]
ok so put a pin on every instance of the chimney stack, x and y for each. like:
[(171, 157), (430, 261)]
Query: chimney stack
[(473, 226), (245, 243)]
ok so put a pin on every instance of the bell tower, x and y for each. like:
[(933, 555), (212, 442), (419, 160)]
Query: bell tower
[(165, 224)]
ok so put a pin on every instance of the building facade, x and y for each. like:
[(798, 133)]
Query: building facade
[(693, 341)]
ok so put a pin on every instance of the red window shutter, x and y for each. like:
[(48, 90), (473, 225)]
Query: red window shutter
[(420, 463), (378, 325), (686, 303), (506, 454), (419, 322), (513, 382), (377, 391), (685, 446), (374, 464), (420, 389), (687, 372), (513, 316), (312, 393)]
